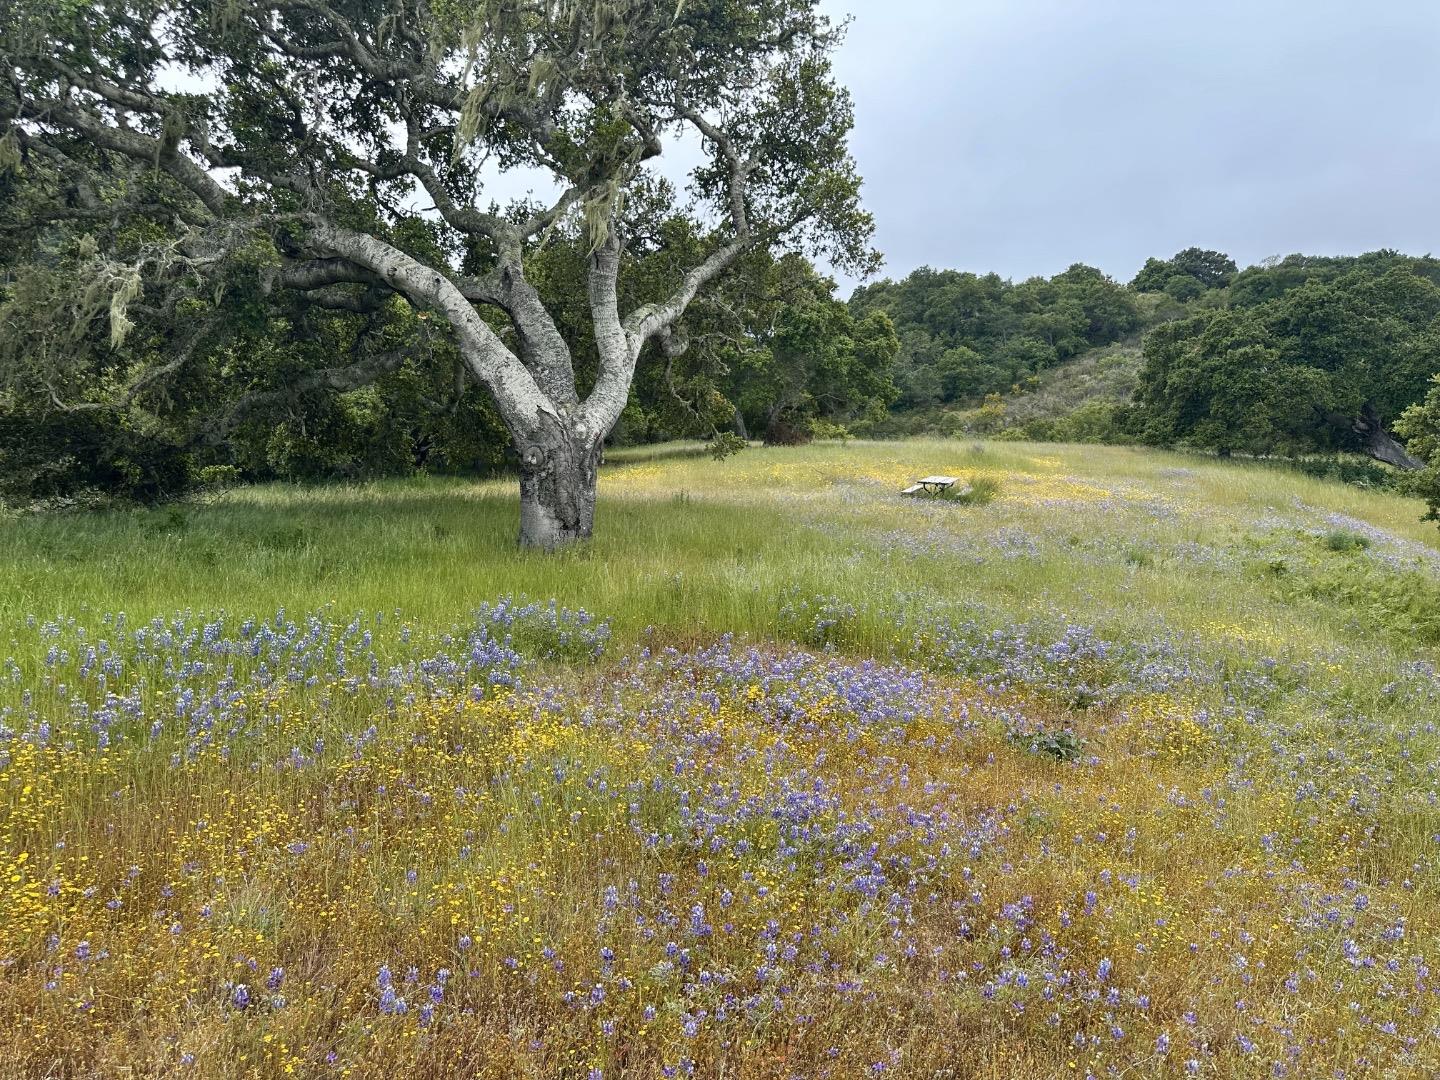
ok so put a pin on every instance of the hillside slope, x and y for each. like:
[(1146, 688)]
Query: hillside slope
[(1070, 402), (1104, 377)]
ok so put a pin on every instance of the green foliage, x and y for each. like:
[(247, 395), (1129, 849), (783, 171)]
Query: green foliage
[(1345, 540), (1420, 427), (1205, 269), (809, 359), (1183, 287), (963, 335), (1324, 366), (57, 457), (1092, 422), (1273, 278), (1350, 469), (725, 444)]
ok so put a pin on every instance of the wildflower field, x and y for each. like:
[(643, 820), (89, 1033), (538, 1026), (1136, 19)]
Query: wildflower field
[(1130, 769)]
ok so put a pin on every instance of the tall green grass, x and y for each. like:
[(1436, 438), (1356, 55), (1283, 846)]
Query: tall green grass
[(688, 546)]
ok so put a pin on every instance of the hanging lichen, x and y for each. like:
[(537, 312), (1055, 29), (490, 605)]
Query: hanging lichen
[(9, 152), (225, 14), (111, 289), (127, 290), (601, 207), (172, 130), (542, 70)]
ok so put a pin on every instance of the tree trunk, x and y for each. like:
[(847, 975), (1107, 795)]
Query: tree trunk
[(557, 488), (1380, 444)]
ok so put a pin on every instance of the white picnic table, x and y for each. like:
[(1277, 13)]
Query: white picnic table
[(932, 485)]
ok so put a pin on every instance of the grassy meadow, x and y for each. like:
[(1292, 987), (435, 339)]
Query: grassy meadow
[(1130, 768)]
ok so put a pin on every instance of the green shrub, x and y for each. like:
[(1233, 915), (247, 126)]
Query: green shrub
[(67, 457), (1349, 470), (1344, 540), (1062, 744), (979, 491), (725, 444), (824, 429)]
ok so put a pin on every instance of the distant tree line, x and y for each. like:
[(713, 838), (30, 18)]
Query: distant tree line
[(965, 335), (1305, 356), (1298, 356)]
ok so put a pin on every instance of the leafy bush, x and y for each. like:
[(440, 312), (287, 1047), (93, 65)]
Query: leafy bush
[(978, 492), (1062, 744), (1351, 470), (824, 429), (725, 444), (49, 457), (1344, 540)]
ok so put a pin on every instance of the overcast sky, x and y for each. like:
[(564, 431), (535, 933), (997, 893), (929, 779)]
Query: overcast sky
[(1023, 135)]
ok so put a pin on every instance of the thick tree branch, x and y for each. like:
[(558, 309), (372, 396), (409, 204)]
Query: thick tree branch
[(522, 403), (337, 380), (163, 153), (644, 322), (617, 347)]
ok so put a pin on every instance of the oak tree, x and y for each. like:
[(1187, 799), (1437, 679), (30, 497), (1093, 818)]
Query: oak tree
[(349, 151)]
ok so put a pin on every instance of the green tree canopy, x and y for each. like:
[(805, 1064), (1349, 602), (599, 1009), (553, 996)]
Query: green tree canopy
[(964, 335), (1208, 269), (812, 358), (1419, 425), (1325, 366)]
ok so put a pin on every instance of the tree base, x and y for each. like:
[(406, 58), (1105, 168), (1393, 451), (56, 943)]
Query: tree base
[(557, 491), (782, 432)]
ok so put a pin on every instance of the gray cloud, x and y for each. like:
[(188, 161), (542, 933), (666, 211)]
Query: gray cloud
[(1023, 135)]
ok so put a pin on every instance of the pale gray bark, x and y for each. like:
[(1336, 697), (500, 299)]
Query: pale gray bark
[(557, 487), (558, 446), (1383, 446), (521, 402)]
